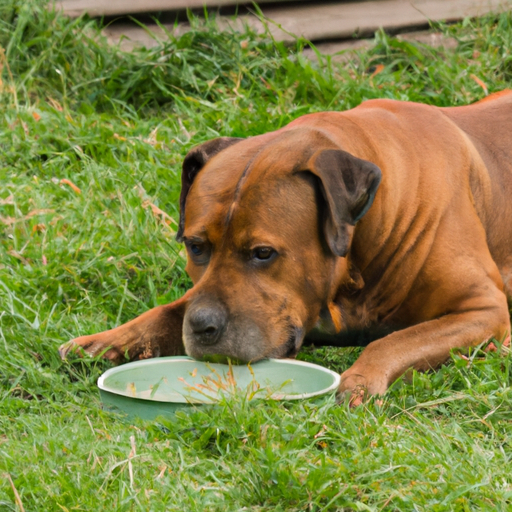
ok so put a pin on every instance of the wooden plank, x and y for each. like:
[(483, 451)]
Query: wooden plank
[(343, 20), (74, 8), (313, 21), (332, 21), (342, 51), (130, 36)]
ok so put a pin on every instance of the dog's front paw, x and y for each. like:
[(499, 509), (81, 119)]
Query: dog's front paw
[(354, 388), (357, 387), (70, 348), (90, 346)]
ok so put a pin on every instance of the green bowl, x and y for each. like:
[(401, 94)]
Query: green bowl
[(159, 387)]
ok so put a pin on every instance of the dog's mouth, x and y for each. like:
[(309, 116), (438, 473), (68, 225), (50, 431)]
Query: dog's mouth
[(287, 350), (294, 342)]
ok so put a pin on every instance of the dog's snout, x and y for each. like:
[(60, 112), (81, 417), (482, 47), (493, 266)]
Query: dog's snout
[(207, 323)]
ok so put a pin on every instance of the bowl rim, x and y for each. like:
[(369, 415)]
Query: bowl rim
[(275, 396)]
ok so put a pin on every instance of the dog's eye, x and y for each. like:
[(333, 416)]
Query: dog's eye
[(263, 253), (196, 249)]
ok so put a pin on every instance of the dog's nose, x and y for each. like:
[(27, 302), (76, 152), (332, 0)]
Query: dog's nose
[(207, 323)]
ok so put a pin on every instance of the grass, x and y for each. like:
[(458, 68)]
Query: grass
[(75, 260)]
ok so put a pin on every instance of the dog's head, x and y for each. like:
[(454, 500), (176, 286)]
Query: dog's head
[(267, 223)]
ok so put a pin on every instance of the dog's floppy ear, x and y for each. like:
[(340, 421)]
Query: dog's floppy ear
[(193, 163), (349, 185)]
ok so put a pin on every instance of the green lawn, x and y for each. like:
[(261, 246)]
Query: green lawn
[(79, 260)]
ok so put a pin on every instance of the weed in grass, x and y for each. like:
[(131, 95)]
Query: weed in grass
[(116, 125)]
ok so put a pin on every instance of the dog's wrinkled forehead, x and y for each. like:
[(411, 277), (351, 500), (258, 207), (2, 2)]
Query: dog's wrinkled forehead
[(222, 167), (234, 180), (250, 159), (278, 153), (260, 166)]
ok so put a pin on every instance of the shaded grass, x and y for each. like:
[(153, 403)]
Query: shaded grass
[(117, 126)]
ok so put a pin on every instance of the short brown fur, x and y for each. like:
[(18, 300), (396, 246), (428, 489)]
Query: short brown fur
[(431, 259)]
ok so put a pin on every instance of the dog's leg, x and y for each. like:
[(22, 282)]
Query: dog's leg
[(425, 346), (158, 332)]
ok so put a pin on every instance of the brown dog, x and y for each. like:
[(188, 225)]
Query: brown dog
[(282, 235)]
